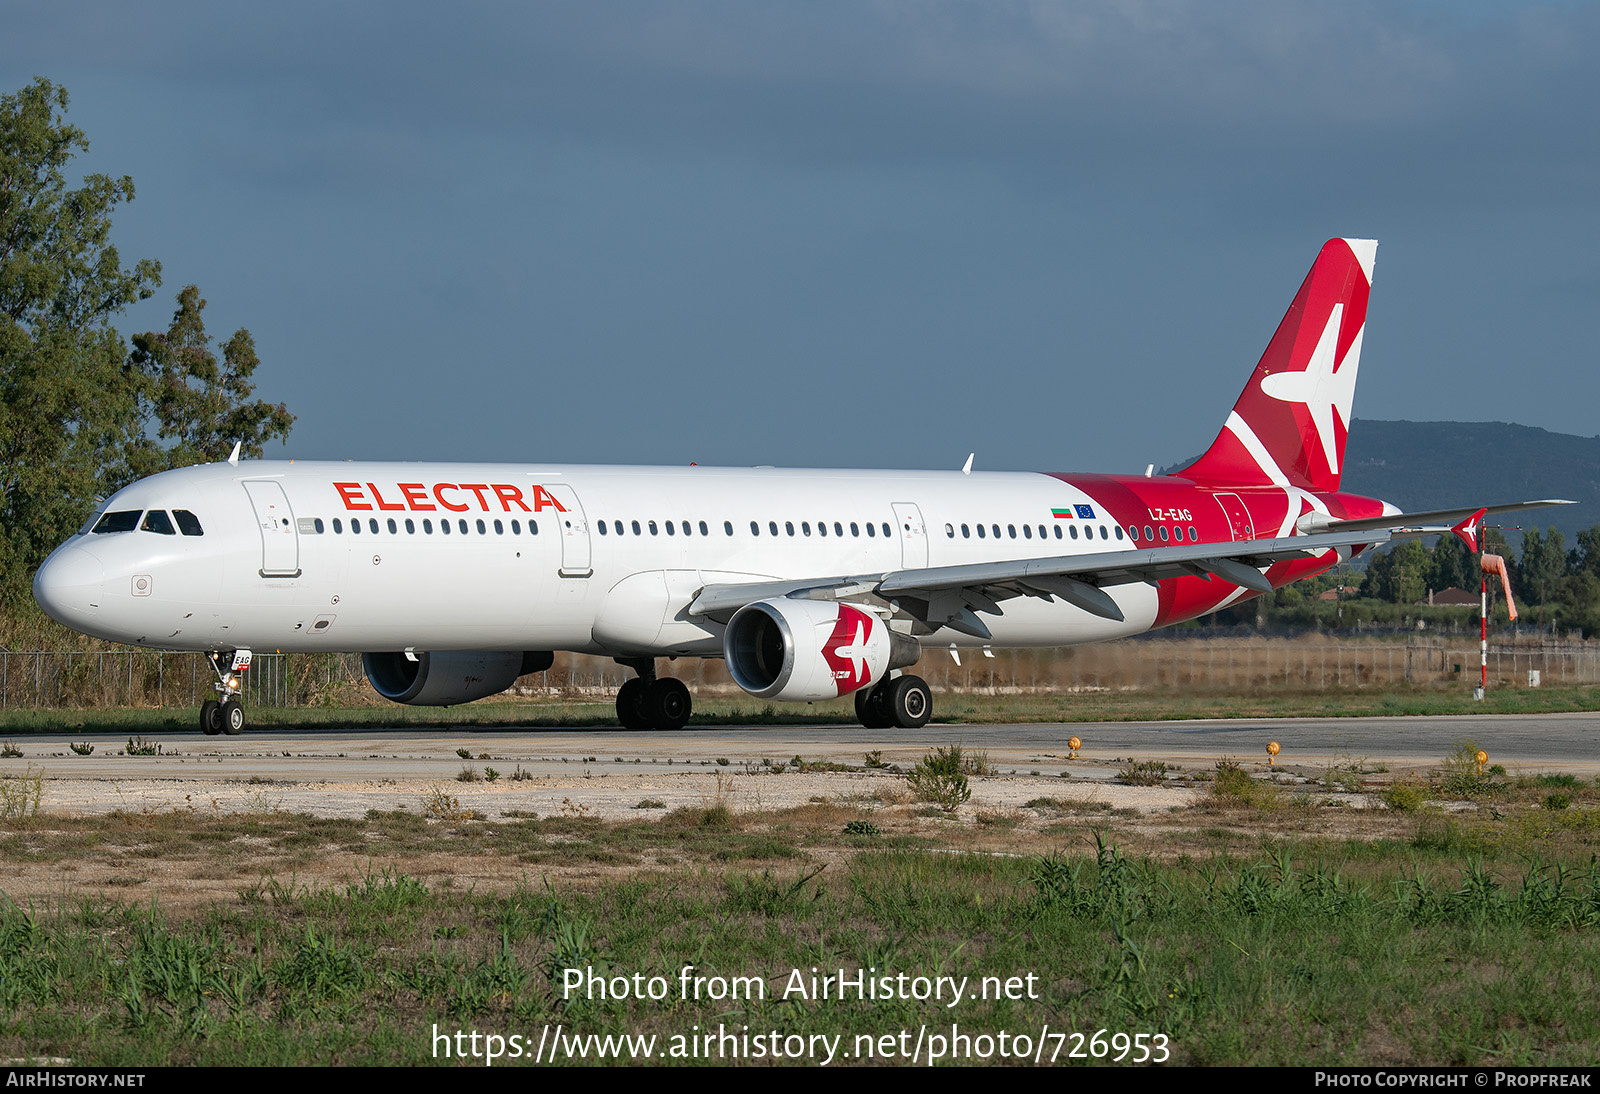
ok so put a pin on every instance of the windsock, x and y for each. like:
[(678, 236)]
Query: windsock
[(1494, 564)]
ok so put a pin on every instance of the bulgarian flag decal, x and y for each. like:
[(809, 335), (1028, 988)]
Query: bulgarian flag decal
[(1084, 511), (1062, 514)]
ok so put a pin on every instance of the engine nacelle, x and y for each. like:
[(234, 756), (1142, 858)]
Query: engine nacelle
[(803, 650), (446, 679)]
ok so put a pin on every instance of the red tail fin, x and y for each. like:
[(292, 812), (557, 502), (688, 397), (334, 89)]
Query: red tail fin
[(1289, 426)]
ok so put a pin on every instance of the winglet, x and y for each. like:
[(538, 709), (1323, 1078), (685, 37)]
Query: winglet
[(966, 468), (233, 457), (1467, 530)]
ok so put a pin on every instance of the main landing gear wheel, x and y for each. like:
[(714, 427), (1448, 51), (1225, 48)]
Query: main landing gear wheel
[(211, 717), (905, 702), (231, 717), (667, 704), (910, 702), (630, 705)]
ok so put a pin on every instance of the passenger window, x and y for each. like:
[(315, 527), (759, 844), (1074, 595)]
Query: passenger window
[(727, 527), (189, 524), (886, 529), (838, 529), (1058, 531), (393, 527), (427, 526), (1149, 532), (338, 528), (602, 526), (1163, 533), (372, 525), (157, 521), (755, 529), (618, 526), (1103, 532), (872, 529), (855, 529), (788, 526), (982, 534), (822, 528), (411, 527), (1194, 536), (1027, 531), (704, 531), (966, 532), (772, 526), (1119, 531), (1073, 531), (461, 525), (805, 527), (125, 521), (636, 530), (950, 531), (499, 529), (483, 529), (444, 527), (355, 527), (672, 529), (533, 527), (653, 530)]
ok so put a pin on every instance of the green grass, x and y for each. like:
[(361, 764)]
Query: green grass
[(1445, 949)]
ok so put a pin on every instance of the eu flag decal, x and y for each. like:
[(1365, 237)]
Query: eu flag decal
[(1085, 511)]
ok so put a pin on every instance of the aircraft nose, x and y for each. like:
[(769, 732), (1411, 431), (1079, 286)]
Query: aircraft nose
[(70, 586)]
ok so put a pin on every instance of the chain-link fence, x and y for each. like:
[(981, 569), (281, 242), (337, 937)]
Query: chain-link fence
[(148, 678)]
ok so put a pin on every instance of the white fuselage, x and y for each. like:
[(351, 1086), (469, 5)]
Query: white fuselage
[(354, 557)]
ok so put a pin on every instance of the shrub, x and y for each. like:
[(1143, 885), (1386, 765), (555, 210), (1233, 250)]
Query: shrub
[(1233, 786), (939, 778), (1148, 773), (1406, 796)]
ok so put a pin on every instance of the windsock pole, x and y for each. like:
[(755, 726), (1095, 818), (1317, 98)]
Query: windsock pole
[(1467, 531)]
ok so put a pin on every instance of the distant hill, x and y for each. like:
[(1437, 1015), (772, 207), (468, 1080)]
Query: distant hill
[(1437, 465), (1441, 465)]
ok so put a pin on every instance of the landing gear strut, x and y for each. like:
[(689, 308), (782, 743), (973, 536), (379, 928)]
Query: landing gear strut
[(226, 716), (646, 702), (904, 701)]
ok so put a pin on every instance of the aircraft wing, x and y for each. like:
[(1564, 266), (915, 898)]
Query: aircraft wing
[(951, 596), (1432, 523)]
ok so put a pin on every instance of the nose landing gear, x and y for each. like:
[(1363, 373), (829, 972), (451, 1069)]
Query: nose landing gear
[(226, 716)]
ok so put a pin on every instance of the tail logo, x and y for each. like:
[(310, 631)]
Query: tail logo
[(1323, 387)]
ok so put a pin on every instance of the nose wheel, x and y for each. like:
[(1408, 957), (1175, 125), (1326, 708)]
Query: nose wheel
[(227, 714)]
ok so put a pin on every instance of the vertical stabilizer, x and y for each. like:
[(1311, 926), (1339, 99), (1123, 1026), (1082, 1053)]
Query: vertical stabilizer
[(1289, 426)]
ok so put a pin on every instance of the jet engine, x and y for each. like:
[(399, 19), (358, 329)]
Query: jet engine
[(803, 650), (446, 679)]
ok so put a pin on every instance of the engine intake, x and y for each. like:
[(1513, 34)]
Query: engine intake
[(804, 650), (450, 678)]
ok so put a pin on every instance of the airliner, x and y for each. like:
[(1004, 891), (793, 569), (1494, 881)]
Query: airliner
[(453, 580)]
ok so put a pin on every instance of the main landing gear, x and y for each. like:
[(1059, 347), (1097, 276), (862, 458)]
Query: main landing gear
[(646, 702), (901, 701), (227, 715)]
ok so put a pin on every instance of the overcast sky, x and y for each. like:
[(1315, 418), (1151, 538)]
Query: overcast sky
[(843, 234)]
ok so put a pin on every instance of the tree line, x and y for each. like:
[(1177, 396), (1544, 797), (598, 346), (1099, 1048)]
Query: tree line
[(83, 410)]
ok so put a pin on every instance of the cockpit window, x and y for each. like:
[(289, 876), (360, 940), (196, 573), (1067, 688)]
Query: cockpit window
[(125, 520), (89, 522), (189, 524), (156, 520)]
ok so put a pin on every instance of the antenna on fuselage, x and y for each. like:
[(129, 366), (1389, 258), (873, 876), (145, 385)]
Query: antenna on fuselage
[(233, 457), (966, 468)]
